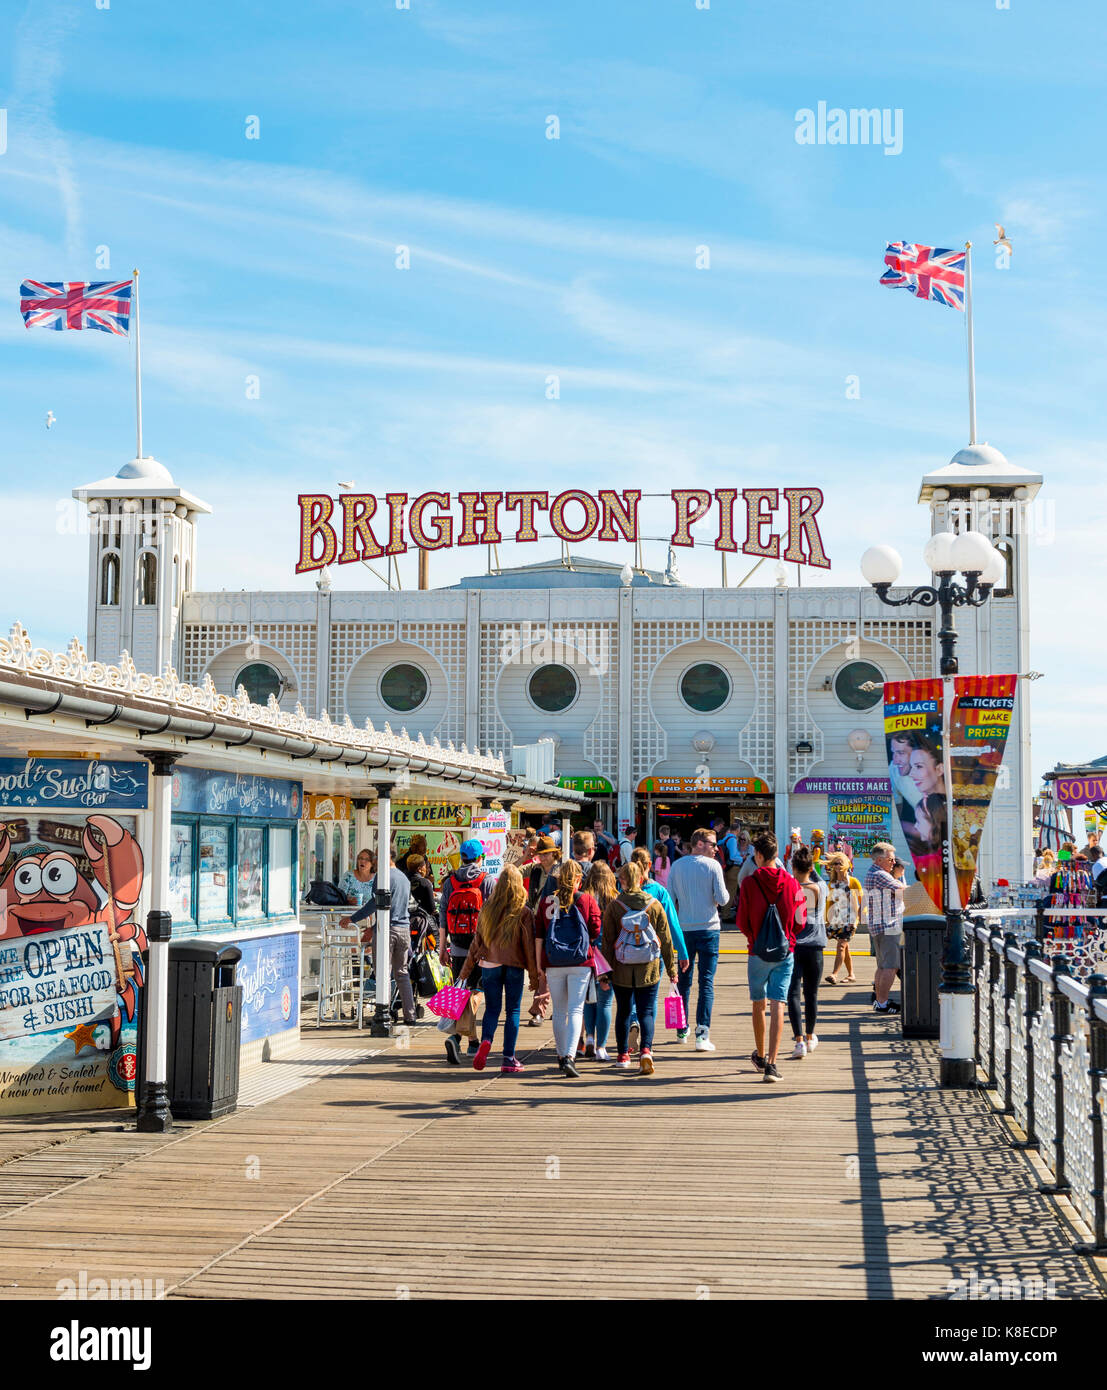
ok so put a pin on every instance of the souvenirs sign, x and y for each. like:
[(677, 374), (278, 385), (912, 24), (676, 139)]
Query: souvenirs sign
[(360, 528), (1080, 791)]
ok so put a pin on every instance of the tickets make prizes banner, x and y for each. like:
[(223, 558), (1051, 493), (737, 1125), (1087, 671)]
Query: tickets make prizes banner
[(978, 727)]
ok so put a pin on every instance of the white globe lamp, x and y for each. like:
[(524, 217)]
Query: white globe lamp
[(938, 552), (971, 552), (880, 564), (995, 571)]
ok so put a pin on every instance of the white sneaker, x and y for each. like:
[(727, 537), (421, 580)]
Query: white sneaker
[(703, 1041), (800, 1050), (813, 1043)]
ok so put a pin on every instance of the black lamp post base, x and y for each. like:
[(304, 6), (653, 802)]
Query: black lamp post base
[(381, 1025), (958, 1072), (154, 1115)]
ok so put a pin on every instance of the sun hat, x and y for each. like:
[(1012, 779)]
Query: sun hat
[(471, 849), (543, 845)]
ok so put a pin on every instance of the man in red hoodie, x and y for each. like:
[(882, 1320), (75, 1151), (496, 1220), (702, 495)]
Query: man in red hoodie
[(769, 885)]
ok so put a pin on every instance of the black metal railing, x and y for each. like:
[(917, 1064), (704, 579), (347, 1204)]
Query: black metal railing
[(1041, 1044)]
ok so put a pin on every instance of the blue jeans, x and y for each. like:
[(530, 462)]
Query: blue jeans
[(597, 1016), (703, 954), (502, 982), (644, 999)]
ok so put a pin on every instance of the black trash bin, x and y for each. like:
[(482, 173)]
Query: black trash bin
[(923, 938), (205, 1013)]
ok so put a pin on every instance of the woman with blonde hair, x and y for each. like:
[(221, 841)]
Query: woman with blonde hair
[(634, 926), (844, 908), (597, 1007), (503, 947), (567, 927)]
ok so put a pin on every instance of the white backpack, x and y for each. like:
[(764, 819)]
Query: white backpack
[(637, 942)]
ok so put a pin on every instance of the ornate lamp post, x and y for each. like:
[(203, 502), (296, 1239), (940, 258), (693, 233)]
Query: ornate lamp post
[(982, 567)]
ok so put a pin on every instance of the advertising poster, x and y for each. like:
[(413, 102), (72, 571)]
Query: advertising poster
[(862, 821), (269, 973), (913, 739), (978, 727), (492, 831), (70, 961)]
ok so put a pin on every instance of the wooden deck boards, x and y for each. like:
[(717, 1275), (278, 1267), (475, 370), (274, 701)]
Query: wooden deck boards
[(857, 1177)]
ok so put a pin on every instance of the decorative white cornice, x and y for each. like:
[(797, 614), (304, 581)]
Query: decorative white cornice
[(18, 653)]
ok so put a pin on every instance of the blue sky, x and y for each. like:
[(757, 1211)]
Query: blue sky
[(275, 257)]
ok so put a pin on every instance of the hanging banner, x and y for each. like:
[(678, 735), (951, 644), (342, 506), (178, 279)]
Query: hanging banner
[(913, 738), (862, 821), (327, 807), (978, 727), (1080, 791)]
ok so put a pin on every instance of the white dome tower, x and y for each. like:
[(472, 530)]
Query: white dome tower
[(980, 490), (142, 559)]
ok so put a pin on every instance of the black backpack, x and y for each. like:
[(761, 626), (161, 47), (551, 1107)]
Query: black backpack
[(323, 893), (771, 942)]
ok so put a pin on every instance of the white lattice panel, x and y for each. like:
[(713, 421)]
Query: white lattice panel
[(1045, 1113), (1079, 1150), (1017, 1031), (807, 641), (495, 640), (755, 642), (349, 643), (651, 641), (297, 641), (598, 644), (911, 637), (446, 643)]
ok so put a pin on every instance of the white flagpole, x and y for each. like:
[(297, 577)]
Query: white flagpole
[(972, 363), (138, 371)]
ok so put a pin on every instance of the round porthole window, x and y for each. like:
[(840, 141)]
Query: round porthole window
[(850, 679), (705, 687), (261, 681), (552, 688), (404, 687)]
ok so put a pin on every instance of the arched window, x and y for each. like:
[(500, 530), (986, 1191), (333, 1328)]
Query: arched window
[(109, 579), (147, 578), (261, 681)]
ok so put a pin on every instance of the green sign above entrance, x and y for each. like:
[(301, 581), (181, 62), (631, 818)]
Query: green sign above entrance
[(594, 786)]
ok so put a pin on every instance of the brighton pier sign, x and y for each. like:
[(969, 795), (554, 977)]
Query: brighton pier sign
[(356, 527)]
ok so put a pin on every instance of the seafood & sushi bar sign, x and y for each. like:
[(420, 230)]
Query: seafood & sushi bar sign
[(67, 784)]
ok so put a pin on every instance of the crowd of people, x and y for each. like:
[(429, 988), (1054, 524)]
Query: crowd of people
[(591, 931)]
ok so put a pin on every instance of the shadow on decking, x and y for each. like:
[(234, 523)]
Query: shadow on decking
[(989, 1218)]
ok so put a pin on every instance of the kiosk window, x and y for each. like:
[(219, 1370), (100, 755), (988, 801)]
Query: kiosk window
[(215, 856), (280, 870), (251, 865), (180, 872)]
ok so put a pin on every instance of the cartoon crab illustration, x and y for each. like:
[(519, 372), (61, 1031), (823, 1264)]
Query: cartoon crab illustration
[(45, 891)]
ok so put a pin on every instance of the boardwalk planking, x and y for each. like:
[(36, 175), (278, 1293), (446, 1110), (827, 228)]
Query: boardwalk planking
[(855, 1178)]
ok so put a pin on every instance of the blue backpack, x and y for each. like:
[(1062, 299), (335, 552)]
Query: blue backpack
[(567, 939), (771, 942)]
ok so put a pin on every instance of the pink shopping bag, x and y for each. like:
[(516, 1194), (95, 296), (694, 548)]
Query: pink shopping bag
[(675, 1017), (449, 1002)]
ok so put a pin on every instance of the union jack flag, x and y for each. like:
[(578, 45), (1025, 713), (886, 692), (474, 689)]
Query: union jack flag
[(930, 272), (103, 304)]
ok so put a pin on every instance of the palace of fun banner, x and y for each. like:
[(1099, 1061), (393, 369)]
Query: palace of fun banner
[(913, 735), (978, 728)]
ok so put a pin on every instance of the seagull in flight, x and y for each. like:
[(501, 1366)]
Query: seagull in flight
[(50, 418), (349, 487), (1001, 240)]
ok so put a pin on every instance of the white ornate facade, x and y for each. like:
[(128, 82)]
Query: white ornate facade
[(472, 652)]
